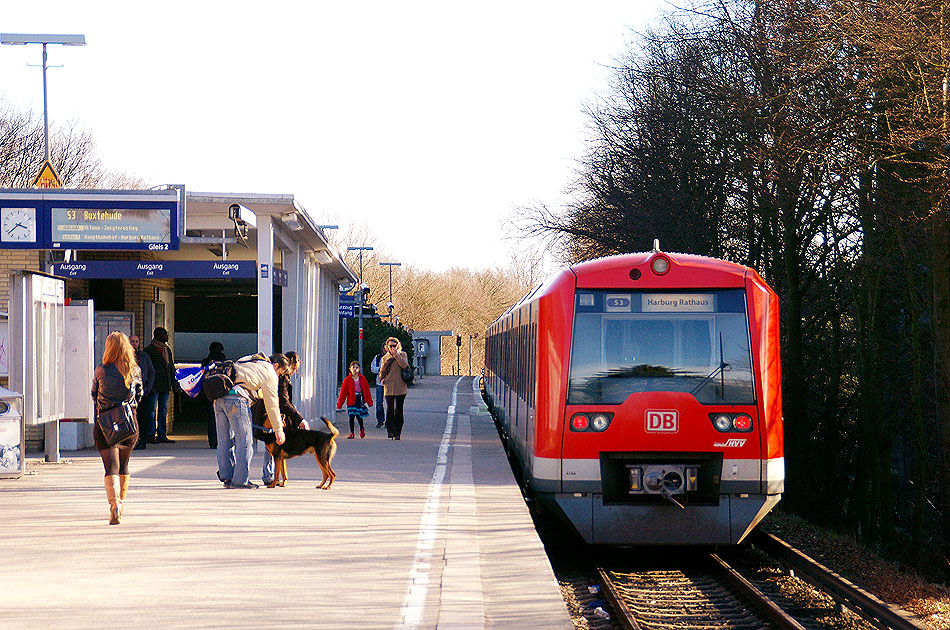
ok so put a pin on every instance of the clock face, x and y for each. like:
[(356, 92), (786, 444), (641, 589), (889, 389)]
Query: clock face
[(18, 225)]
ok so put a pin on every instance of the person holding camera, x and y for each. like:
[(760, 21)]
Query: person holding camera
[(394, 387)]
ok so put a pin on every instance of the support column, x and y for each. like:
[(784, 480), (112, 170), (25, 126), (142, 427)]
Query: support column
[(265, 285), (292, 313)]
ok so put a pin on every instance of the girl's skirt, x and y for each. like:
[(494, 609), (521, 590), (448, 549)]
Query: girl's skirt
[(359, 409)]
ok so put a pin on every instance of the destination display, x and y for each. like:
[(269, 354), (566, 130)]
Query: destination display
[(678, 303), (89, 219), (128, 226)]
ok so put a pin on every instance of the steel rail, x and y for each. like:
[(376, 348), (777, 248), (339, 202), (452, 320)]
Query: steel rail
[(615, 600), (760, 600), (862, 603)]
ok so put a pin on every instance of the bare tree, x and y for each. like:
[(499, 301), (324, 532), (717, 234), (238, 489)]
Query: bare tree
[(72, 152)]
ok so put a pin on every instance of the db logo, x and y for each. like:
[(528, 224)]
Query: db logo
[(662, 421)]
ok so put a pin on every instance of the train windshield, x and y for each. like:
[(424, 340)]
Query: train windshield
[(630, 342)]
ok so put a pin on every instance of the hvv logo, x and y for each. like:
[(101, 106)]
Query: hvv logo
[(662, 421)]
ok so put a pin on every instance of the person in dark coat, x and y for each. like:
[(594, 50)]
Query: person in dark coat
[(215, 353), (285, 401), (285, 393), (148, 379), (117, 379), (164, 364)]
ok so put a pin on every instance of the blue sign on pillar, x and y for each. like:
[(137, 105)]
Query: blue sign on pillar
[(347, 306)]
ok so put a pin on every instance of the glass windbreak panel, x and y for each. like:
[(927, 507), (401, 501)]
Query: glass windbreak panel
[(695, 342)]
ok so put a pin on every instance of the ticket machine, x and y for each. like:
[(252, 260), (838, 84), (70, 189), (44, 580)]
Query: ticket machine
[(12, 434)]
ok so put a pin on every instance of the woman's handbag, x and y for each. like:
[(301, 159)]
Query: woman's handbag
[(118, 423), (406, 375)]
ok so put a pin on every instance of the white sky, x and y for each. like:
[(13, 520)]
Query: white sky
[(429, 121)]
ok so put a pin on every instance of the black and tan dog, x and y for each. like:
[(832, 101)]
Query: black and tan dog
[(298, 442)]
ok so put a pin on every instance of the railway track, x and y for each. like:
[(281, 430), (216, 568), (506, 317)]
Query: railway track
[(709, 591)]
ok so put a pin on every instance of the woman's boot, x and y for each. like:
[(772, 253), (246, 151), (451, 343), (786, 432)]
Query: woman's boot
[(112, 492), (123, 489)]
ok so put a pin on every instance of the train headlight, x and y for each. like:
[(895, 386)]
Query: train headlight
[(660, 265), (591, 421), (731, 422), (722, 422)]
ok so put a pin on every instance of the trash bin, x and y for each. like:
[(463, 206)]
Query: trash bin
[(12, 463)]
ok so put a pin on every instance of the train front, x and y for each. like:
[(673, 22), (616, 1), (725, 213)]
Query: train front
[(671, 428)]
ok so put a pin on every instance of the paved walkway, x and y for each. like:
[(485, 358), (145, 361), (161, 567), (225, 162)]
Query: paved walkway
[(427, 532)]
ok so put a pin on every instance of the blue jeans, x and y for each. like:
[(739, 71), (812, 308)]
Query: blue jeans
[(232, 420), (149, 404), (380, 414), (267, 472)]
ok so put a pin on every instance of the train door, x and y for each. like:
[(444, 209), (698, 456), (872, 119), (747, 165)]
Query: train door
[(532, 328), (515, 373), (506, 371)]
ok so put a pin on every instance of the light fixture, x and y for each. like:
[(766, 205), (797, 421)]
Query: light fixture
[(19, 39), (292, 221), (322, 256), (660, 265)]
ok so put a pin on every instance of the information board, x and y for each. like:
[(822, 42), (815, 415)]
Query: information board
[(89, 219), (122, 226)]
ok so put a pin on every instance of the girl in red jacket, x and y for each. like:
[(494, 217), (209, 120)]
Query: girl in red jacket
[(356, 392)]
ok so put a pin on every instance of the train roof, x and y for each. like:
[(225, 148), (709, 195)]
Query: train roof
[(599, 270), (640, 258)]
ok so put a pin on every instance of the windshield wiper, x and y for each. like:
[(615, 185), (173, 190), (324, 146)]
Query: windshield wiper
[(720, 370)]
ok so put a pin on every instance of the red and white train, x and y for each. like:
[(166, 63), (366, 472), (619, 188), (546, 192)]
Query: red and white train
[(641, 395)]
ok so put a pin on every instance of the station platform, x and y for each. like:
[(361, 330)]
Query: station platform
[(426, 532)]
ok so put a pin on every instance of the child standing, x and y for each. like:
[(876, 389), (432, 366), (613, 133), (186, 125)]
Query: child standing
[(356, 394)]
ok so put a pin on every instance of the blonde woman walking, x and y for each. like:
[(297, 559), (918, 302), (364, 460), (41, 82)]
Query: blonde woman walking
[(394, 387), (117, 379)]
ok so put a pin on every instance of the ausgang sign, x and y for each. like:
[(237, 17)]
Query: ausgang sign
[(156, 269)]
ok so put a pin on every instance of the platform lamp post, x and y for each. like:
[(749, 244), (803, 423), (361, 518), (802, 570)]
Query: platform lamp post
[(19, 39), (360, 297), (390, 303)]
